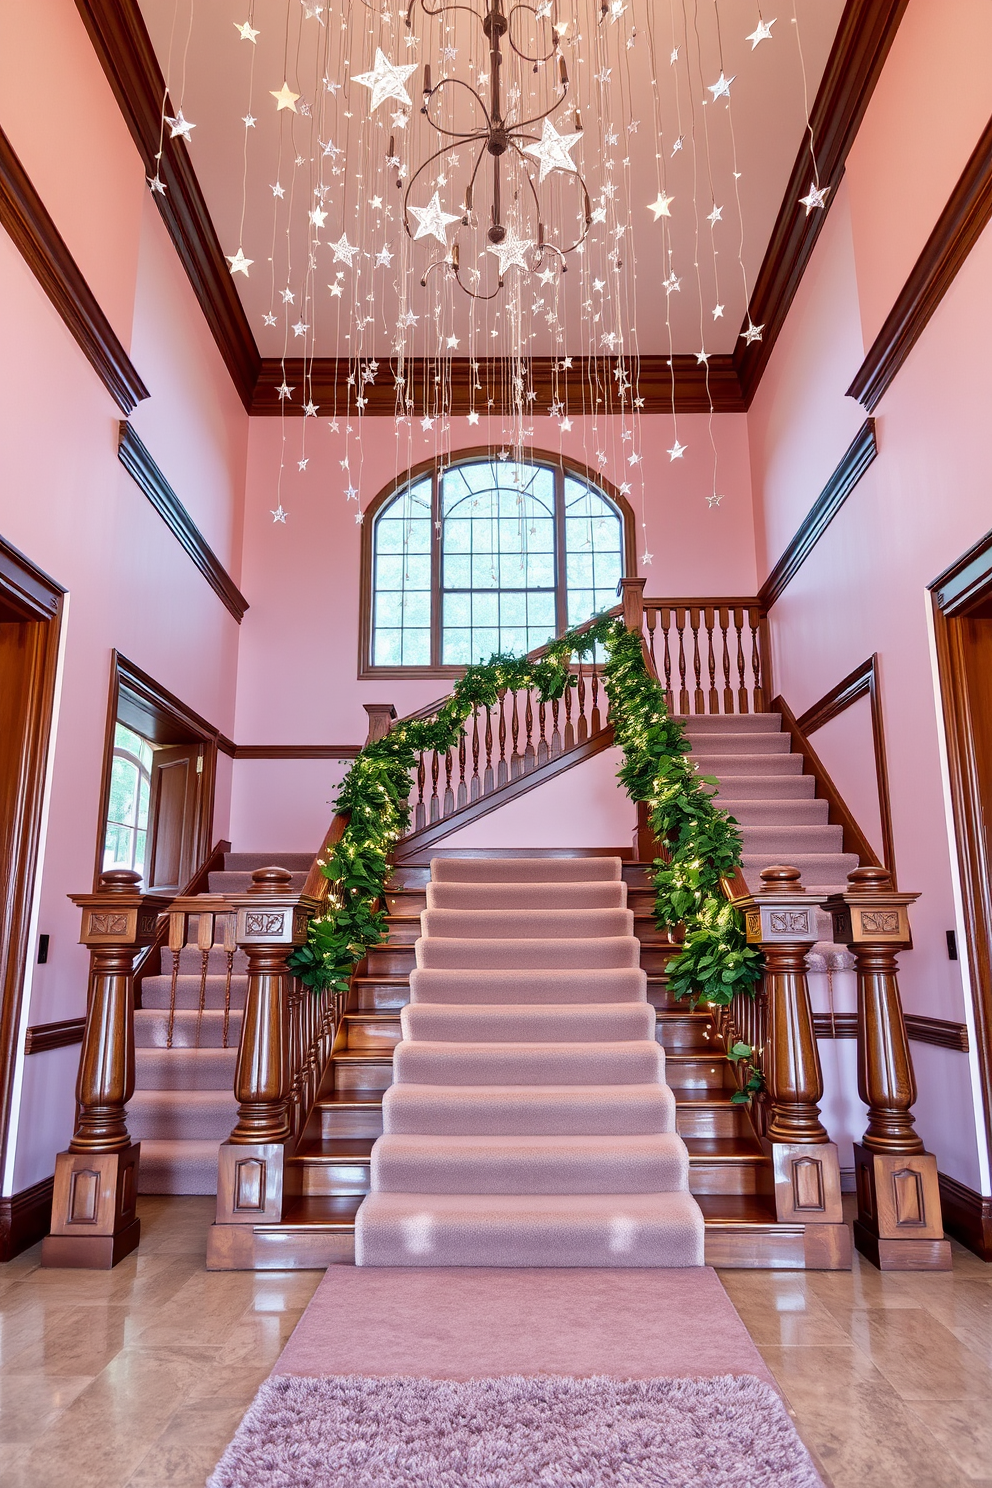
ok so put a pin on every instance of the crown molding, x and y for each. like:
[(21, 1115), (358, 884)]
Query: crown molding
[(866, 32), (25, 218), (588, 386), (958, 229), (141, 467), (122, 43)]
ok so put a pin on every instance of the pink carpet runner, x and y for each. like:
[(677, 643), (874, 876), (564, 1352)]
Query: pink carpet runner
[(529, 1123)]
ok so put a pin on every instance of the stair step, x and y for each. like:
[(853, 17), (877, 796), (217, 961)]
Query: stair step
[(738, 785), (729, 723), (381, 994), (715, 762), (371, 1033), (803, 811), (749, 742)]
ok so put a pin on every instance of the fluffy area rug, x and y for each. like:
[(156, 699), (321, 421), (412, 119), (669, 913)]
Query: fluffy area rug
[(550, 1431)]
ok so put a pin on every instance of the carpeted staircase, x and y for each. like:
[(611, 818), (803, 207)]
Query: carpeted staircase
[(183, 1105), (528, 1122)]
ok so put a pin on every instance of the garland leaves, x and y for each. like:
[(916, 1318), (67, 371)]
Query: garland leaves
[(703, 843)]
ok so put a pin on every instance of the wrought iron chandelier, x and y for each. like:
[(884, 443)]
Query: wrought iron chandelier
[(503, 139)]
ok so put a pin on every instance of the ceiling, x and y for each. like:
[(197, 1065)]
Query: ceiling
[(330, 156)]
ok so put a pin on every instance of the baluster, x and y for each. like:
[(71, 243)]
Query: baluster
[(683, 691), (543, 748), (595, 721), (666, 622), (204, 941), (582, 730), (899, 1225), (420, 814), (742, 706), (651, 620), (94, 1221), (516, 762), (502, 770), (487, 779), (530, 754), (475, 790), (728, 691), (555, 735), (230, 924), (449, 795), (569, 739), (781, 918), (754, 617), (714, 696), (462, 786), (698, 701), (435, 801), (177, 939)]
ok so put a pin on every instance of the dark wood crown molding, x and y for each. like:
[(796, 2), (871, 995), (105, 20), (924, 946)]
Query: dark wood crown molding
[(138, 463), (588, 386), (866, 32), (122, 43), (851, 467), (24, 216), (958, 229), (966, 581), (296, 751)]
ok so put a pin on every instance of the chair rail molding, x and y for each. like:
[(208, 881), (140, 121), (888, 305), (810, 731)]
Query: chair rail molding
[(958, 229), (24, 216), (41, 1037), (141, 467)]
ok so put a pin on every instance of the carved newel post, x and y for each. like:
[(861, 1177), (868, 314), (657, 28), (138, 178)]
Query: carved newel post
[(781, 918), (899, 1225), (94, 1220), (272, 921)]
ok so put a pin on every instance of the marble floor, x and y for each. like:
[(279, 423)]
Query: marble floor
[(136, 1378)]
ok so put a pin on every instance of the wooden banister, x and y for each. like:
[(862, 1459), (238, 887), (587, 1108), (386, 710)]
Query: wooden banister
[(94, 1219), (899, 1225)]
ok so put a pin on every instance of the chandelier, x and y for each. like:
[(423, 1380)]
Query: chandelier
[(512, 148)]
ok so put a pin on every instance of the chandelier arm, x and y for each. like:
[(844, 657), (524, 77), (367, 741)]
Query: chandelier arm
[(412, 181), (585, 192), (457, 133), (509, 21), (526, 123), (527, 177)]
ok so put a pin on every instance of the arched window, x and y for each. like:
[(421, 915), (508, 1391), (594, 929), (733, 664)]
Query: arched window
[(485, 555)]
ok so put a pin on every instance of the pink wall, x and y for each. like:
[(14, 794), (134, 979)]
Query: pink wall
[(68, 504), (924, 501)]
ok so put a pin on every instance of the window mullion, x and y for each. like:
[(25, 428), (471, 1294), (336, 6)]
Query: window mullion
[(561, 591), (436, 559)]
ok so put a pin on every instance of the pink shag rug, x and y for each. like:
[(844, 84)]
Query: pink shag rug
[(352, 1431)]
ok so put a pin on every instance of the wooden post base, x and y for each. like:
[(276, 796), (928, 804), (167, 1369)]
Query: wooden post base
[(807, 1182), (899, 1225), (94, 1204)]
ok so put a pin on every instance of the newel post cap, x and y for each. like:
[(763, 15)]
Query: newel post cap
[(117, 912), (870, 911), (780, 912), (271, 911)]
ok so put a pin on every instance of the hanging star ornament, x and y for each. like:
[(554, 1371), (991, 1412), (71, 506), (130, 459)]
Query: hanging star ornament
[(753, 333), (239, 264), (713, 500), (816, 197), (432, 220), (385, 80), (553, 150), (677, 450), (246, 31), (473, 417), (156, 183), (285, 97), (660, 208), (721, 88), (761, 32), (343, 250), (179, 127), (278, 515), (511, 251)]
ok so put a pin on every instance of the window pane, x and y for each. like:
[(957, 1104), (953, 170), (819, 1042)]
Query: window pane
[(124, 777), (593, 552), (401, 542), (117, 847)]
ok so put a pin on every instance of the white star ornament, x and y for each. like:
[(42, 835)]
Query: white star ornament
[(816, 197), (660, 208), (432, 220), (385, 80), (239, 264), (511, 251), (553, 150)]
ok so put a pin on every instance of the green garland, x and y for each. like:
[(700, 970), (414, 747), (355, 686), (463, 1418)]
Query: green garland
[(703, 842)]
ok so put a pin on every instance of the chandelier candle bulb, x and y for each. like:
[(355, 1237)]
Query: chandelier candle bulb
[(428, 90)]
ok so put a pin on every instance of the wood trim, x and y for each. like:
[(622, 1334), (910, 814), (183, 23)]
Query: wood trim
[(24, 216), (851, 467), (25, 1218), (864, 680), (958, 229), (938, 1031), (137, 460), (966, 580), (27, 592), (432, 467), (297, 751), (865, 33), (41, 1037), (588, 386), (122, 43), (967, 1215), (835, 1025), (414, 842), (839, 813)]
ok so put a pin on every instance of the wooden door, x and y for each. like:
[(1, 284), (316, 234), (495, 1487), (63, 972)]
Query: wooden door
[(177, 775)]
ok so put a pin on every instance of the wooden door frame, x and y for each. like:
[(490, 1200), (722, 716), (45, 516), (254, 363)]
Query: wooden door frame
[(36, 598), (161, 717), (955, 595)]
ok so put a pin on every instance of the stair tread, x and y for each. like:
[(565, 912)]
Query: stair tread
[(318, 1212), (335, 1099), (724, 1149), (738, 1209), (334, 1149)]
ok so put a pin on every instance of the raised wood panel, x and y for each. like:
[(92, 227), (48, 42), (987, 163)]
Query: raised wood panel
[(24, 216)]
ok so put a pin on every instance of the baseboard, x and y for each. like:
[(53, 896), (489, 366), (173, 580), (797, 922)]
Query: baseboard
[(25, 1218), (848, 1180), (967, 1215)]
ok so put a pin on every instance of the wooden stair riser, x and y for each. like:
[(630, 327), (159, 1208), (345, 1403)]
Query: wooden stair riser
[(372, 1034), (683, 1032), (704, 1072), (324, 1177), (733, 1176), (343, 1120), (713, 1118), (367, 1073), (374, 995)]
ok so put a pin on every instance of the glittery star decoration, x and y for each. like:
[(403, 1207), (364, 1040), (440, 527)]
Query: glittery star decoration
[(156, 183), (279, 515), (721, 88), (432, 220), (702, 358), (179, 126), (385, 80), (245, 31), (677, 450), (300, 328), (284, 391), (239, 264), (302, 464), (452, 343), (646, 558), (753, 333), (269, 318), (565, 426), (713, 500), (318, 216), (248, 121), (512, 251), (426, 424), (660, 208), (343, 250), (337, 291), (278, 190), (761, 32), (288, 297), (473, 417), (285, 98), (817, 197), (717, 312), (715, 216), (552, 150)]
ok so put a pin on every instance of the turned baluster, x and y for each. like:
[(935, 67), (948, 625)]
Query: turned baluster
[(742, 702), (582, 725), (781, 919), (94, 1220), (899, 1224), (714, 697), (272, 920), (530, 754), (543, 747), (487, 779), (420, 817), (759, 691), (475, 789), (449, 795), (516, 762), (683, 691), (595, 720), (698, 701), (569, 734), (666, 625), (462, 798), (435, 803), (502, 769), (555, 727), (728, 691)]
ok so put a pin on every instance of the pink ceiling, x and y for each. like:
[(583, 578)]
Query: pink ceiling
[(634, 105)]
